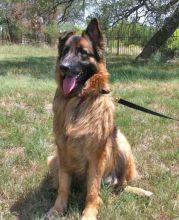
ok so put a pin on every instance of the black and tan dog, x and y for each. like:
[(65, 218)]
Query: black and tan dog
[(88, 143)]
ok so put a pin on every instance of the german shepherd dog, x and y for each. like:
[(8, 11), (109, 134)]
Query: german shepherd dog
[(88, 143)]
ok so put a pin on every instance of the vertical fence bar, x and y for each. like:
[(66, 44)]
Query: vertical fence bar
[(130, 38)]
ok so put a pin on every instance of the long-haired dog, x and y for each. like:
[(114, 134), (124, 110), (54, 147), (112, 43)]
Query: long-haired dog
[(89, 145)]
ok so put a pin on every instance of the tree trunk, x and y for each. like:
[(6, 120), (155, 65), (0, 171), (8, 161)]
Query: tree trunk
[(10, 32), (161, 36)]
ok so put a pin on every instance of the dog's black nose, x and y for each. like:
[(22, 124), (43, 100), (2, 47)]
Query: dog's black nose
[(64, 68)]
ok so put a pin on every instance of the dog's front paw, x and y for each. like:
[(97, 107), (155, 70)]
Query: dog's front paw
[(89, 217), (53, 212), (89, 214)]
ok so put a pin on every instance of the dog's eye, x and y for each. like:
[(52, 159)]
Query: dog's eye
[(83, 51)]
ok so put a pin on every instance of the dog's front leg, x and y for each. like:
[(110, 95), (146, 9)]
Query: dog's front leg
[(94, 176), (63, 192)]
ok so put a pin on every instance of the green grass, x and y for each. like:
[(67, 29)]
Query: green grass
[(26, 93)]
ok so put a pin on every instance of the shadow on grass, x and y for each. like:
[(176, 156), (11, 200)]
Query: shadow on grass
[(36, 203), (126, 70), (120, 69), (38, 67)]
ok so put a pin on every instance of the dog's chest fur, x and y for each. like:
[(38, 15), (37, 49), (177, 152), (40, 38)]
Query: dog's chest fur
[(82, 125)]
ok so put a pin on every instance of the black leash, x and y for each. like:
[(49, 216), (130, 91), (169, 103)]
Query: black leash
[(142, 109)]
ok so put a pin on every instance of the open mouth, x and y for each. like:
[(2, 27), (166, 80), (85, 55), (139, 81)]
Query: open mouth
[(70, 82)]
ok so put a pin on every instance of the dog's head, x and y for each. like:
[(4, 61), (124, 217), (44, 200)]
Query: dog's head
[(79, 57)]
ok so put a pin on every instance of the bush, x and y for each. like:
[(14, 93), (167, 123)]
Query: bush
[(51, 31)]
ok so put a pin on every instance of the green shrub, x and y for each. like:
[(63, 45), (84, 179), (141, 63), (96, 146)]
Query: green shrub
[(51, 31), (173, 41)]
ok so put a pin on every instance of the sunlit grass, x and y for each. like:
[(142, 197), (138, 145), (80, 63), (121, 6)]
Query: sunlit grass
[(27, 88)]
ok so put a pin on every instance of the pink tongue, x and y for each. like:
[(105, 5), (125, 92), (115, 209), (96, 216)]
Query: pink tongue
[(68, 84)]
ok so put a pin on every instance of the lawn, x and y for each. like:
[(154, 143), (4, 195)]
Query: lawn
[(27, 88)]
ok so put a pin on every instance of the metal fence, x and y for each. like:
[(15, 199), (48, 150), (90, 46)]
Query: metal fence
[(129, 39), (123, 39), (37, 38)]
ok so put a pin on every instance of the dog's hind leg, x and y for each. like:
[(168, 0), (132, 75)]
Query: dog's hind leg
[(125, 169)]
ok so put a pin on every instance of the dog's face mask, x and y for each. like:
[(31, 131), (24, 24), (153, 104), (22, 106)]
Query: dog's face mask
[(79, 57)]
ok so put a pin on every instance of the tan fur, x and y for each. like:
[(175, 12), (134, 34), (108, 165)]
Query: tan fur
[(88, 143)]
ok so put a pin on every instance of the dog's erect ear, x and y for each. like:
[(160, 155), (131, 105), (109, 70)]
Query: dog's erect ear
[(62, 39), (94, 32)]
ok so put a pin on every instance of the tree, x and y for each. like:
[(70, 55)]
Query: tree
[(30, 16), (150, 12), (161, 36), (44, 17), (161, 15)]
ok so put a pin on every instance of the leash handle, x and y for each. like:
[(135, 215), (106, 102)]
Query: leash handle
[(142, 109)]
